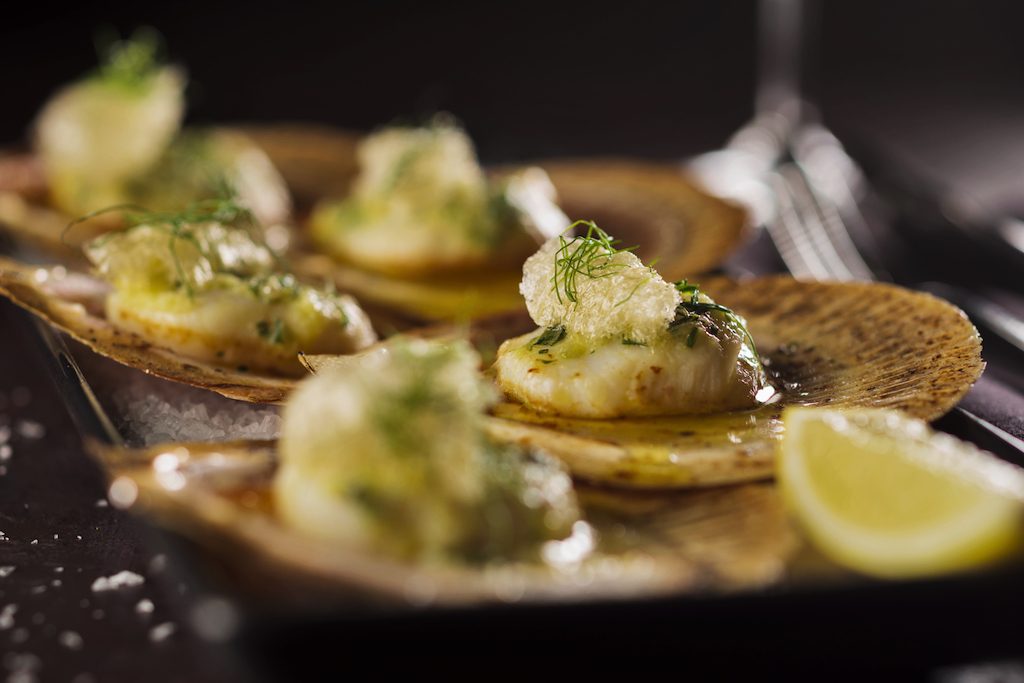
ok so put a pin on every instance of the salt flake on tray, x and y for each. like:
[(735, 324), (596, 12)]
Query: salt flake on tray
[(70, 640), (30, 429), (162, 632), (7, 617), (122, 579)]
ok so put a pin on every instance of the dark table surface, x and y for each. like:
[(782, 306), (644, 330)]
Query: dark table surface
[(59, 535)]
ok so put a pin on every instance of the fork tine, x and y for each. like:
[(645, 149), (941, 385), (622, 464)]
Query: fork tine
[(789, 234), (810, 233), (835, 232), (813, 226)]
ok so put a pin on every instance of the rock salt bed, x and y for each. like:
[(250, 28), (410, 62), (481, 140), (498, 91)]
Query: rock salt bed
[(148, 410), (149, 418)]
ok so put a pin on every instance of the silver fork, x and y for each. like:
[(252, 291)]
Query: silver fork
[(810, 231)]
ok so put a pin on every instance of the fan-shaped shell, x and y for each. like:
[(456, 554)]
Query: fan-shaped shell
[(678, 226), (218, 494), (840, 344), (24, 285)]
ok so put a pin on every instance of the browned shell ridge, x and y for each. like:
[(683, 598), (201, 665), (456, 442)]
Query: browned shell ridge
[(655, 205), (18, 283), (858, 343)]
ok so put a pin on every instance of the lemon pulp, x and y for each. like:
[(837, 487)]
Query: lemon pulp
[(883, 494)]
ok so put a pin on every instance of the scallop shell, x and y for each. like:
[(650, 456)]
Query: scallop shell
[(654, 544), (650, 204), (837, 344), (315, 161), (26, 286), (677, 225), (653, 205)]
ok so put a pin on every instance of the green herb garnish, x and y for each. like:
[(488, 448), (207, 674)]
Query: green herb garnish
[(692, 337), (590, 255), (691, 310), (178, 227), (273, 333), (550, 336), (131, 62)]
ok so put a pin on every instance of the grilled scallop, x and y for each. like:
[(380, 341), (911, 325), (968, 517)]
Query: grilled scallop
[(208, 290), (615, 379), (422, 205), (388, 454), (620, 341), (115, 137)]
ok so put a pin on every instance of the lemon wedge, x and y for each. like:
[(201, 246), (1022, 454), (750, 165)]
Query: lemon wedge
[(881, 493)]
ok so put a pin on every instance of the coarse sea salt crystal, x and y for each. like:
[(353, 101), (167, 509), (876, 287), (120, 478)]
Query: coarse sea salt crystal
[(70, 640), (122, 579), (22, 667), (7, 617), (162, 632), (30, 429), (150, 417)]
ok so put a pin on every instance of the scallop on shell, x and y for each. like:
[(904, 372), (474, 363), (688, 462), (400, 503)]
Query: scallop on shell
[(651, 204), (837, 344), (641, 545), (72, 303), (27, 216)]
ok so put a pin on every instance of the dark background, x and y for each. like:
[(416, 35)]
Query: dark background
[(546, 78)]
